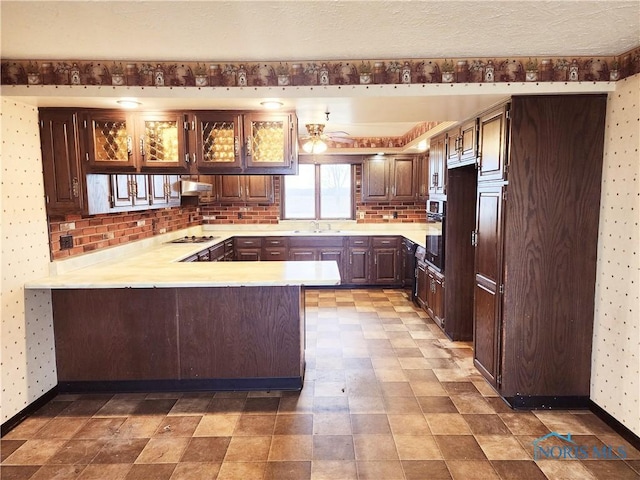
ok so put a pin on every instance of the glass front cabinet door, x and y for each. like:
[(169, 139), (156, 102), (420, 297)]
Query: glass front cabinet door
[(217, 138), (268, 142), (108, 141), (160, 141)]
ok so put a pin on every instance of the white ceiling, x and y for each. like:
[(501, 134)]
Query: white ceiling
[(312, 30)]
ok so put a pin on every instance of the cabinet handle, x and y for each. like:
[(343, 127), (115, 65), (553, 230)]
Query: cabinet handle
[(75, 187), (129, 146), (134, 187), (142, 147), (195, 158), (393, 190), (351, 259), (275, 253), (236, 146), (186, 158), (375, 260), (241, 190), (248, 146)]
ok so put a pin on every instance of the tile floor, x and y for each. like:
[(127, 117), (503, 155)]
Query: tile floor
[(386, 396)]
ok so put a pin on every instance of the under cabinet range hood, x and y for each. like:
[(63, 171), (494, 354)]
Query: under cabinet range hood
[(191, 188)]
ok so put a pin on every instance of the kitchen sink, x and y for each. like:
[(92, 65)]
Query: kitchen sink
[(315, 232)]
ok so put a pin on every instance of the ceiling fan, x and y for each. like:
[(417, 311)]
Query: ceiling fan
[(316, 140)]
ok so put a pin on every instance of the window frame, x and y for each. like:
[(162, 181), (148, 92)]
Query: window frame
[(317, 194)]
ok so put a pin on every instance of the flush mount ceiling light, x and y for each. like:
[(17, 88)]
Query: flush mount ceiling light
[(314, 143), (271, 104), (128, 103)]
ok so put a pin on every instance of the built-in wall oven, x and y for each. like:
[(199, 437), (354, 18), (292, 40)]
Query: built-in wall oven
[(436, 218)]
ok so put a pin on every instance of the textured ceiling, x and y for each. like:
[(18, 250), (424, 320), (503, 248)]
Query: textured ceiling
[(308, 30), (318, 30)]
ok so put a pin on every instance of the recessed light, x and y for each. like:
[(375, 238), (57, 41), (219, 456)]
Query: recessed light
[(271, 104), (128, 103)]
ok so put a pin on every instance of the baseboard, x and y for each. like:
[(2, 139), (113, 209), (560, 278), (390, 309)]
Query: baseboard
[(523, 402), (27, 411), (618, 427), (191, 385)]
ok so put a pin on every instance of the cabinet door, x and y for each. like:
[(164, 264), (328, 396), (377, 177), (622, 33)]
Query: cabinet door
[(108, 141), (358, 265), (161, 141), (248, 254), (488, 278), (158, 190), (386, 265), (452, 147), (336, 254), (468, 143), (121, 190), (423, 177), (437, 300), (217, 142), (140, 190), (258, 188), (267, 141), (375, 179), (422, 287), (437, 171), (229, 188), (402, 178), (492, 145), (63, 178)]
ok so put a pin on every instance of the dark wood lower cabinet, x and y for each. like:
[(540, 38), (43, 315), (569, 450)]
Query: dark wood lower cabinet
[(179, 338)]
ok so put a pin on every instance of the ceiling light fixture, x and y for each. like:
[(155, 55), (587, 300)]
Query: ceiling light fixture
[(271, 104), (314, 144), (128, 103)]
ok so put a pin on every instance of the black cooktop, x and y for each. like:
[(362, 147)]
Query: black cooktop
[(194, 239)]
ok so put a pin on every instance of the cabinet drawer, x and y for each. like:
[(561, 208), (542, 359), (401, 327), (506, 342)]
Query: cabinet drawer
[(248, 242), (358, 241), (269, 242), (316, 241), (389, 242), (279, 254)]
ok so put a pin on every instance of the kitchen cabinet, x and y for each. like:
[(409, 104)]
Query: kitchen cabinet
[(318, 248), (228, 250), (165, 190), (462, 144), (64, 182), (275, 248), (244, 188), (385, 252), (492, 144), (388, 178), (359, 269), (536, 248), (248, 249), (235, 142), (422, 168), (437, 167), (120, 141), (408, 261), (129, 190), (435, 296)]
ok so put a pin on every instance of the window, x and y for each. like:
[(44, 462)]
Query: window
[(319, 192)]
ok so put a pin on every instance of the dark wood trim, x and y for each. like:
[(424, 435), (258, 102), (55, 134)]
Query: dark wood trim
[(325, 159), (188, 385), (29, 410), (618, 427), (526, 402)]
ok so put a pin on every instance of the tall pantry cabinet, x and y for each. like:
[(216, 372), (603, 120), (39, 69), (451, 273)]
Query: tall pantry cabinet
[(535, 247)]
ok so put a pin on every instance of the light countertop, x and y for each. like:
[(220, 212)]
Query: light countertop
[(153, 263)]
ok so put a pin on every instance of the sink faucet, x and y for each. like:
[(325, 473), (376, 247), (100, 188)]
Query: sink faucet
[(315, 225)]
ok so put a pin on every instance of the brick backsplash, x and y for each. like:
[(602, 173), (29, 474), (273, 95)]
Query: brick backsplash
[(247, 213), (96, 232)]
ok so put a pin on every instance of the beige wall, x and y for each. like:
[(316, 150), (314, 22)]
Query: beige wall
[(615, 367), (28, 356)]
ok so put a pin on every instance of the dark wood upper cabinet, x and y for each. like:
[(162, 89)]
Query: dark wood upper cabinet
[(462, 144), (492, 145), (389, 178), (438, 166), (216, 145), (244, 188), (268, 142), (63, 177), (161, 141), (422, 169)]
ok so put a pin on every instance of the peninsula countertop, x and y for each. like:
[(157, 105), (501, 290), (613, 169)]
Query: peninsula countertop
[(153, 263)]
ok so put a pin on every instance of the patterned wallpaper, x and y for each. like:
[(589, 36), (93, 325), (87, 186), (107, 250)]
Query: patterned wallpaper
[(28, 356), (615, 373)]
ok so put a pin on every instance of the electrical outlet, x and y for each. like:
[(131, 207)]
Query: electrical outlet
[(240, 215), (361, 215), (66, 242), (395, 214), (141, 223)]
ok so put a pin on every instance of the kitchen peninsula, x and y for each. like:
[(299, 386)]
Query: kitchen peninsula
[(151, 322), (148, 319)]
